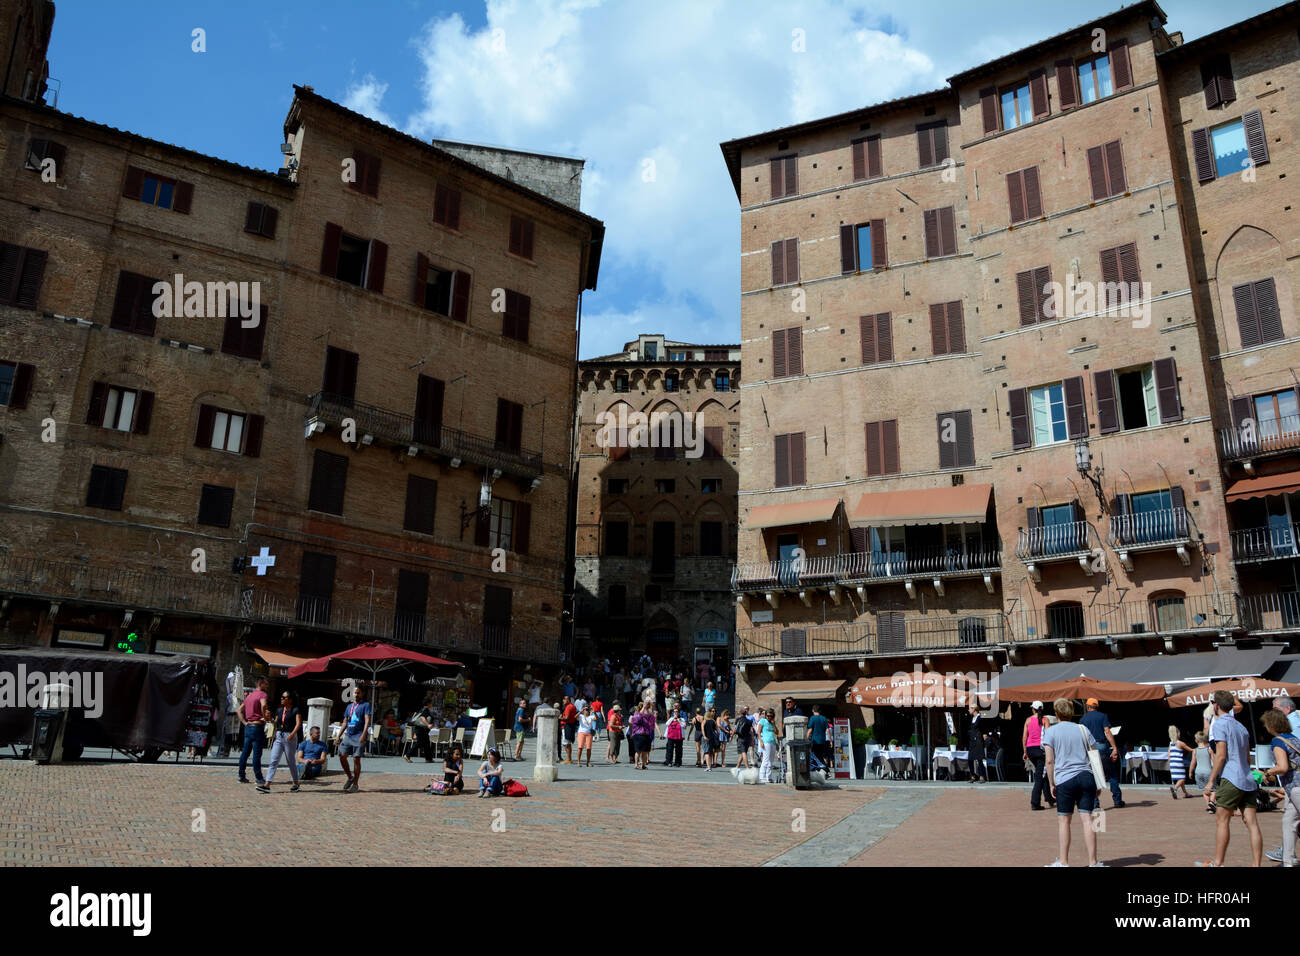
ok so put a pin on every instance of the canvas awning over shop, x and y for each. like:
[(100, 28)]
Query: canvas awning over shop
[(1262, 485), (882, 509), (1227, 661), (804, 689), (1081, 688), (795, 512), (282, 659), (1247, 690), (911, 689)]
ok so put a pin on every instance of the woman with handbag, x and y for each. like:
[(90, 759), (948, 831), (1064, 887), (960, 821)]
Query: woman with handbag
[(1075, 777)]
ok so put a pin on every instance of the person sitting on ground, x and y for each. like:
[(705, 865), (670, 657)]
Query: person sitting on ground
[(489, 775), (452, 770), (312, 755)]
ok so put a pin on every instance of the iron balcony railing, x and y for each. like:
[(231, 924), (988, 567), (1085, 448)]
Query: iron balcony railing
[(928, 562), (1151, 528), (1270, 612), (1056, 541), (890, 633), (399, 429), (1258, 439), (1252, 545), (788, 573), (1173, 614), (145, 590)]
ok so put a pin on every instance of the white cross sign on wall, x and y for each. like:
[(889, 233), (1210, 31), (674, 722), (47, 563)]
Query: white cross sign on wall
[(262, 560)]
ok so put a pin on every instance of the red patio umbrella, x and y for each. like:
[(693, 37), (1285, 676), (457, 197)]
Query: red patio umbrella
[(1081, 688), (372, 658)]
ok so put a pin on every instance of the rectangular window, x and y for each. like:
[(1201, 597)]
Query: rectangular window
[(651, 351), (329, 477), (316, 587), (228, 431), (1060, 532), (616, 486), (615, 539), (21, 272), (713, 441), (106, 488), (866, 158), (441, 290), (1023, 195), (877, 336), (677, 357), (1047, 411), (245, 342), (947, 328), (721, 381), (352, 259), (155, 190), (340, 381), (1037, 300), (620, 383), (956, 440), (863, 243), (437, 291), (1276, 415), (215, 505), (521, 236), (1227, 149), (784, 176), (446, 206), (940, 232), (882, 448), (515, 319), (717, 355), (787, 352), (411, 605), (711, 538), (785, 261), (133, 304), (670, 382), (121, 409), (1216, 80), (932, 144), (1258, 319), (1094, 79), (15, 384), (1106, 170), (427, 418), (862, 246), (421, 504), (39, 150), (1230, 152), (353, 252), (788, 454), (261, 219), (497, 605), (501, 526), (510, 425), (665, 486), (1137, 398), (710, 486), (1016, 107)]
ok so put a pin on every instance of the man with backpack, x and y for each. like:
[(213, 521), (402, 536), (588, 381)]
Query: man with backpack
[(744, 725)]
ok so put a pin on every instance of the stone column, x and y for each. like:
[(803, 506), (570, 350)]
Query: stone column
[(318, 715), (546, 721), (796, 728)]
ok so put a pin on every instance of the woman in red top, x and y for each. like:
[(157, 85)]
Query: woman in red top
[(615, 727), (1031, 739)]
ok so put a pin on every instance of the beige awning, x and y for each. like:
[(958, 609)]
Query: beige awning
[(796, 512), (804, 689), (883, 509), (282, 659)]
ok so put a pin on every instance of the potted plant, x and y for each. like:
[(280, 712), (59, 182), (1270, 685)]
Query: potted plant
[(952, 741), (861, 738)]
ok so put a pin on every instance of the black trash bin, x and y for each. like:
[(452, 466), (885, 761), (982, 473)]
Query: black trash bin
[(797, 754), (47, 736)]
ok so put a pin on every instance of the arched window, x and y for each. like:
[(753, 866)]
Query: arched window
[(1065, 620), (620, 382), (1168, 611)]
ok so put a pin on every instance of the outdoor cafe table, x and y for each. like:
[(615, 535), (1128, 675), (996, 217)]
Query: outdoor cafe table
[(893, 761), (1146, 761), (957, 760)]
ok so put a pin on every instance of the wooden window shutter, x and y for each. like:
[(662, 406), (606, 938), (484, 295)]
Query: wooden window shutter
[(482, 530), (329, 253), (11, 257), (798, 474), (253, 218), (1097, 172), (1116, 183), (956, 328), (791, 175), (875, 455), (375, 268), (421, 279), (889, 446), (938, 328), (1243, 296), (947, 232), (1043, 293), (1016, 196), (98, 401), (792, 260), (1227, 89), (1103, 386), (453, 209), (527, 250), (134, 183), (270, 219), (254, 425), (1253, 123), (30, 276), (794, 350), (859, 160), (440, 204), (875, 167), (1033, 197), (143, 412), (1067, 84), (930, 221), (1205, 170), (1028, 297), (523, 518), (778, 262), (924, 147), (421, 504), (1076, 415), (947, 449), (1167, 397), (516, 234), (859, 540), (781, 461), (1038, 93), (371, 187), (884, 338), (939, 134), (1018, 405), (777, 167), (1266, 310), (879, 249), (965, 440), (1121, 68), (867, 326), (848, 249), (1210, 84), (21, 390), (1128, 264), (778, 354), (202, 434), (523, 314), (989, 108), (460, 296), (183, 198), (1110, 275)]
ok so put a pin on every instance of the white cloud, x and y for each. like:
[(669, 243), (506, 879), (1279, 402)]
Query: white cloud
[(364, 97)]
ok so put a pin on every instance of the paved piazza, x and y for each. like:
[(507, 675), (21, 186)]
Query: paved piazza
[(93, 813)]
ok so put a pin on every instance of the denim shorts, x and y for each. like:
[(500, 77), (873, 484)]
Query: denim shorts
[(349, 746), (1080, 791)]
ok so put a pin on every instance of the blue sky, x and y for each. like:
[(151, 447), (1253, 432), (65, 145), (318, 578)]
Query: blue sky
[(617, 83)]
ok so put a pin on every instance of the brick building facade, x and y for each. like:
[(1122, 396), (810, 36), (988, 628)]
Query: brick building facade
[(1016, 290), (656, 515), (393, 428)]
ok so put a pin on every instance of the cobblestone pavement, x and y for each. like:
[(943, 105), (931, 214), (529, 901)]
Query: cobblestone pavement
[(134, 814)]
